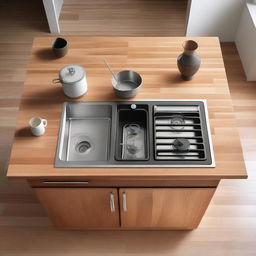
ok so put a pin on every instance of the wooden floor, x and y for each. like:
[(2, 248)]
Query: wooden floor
[(229, 226)]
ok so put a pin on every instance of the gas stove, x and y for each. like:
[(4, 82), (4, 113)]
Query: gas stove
[(182, 133)]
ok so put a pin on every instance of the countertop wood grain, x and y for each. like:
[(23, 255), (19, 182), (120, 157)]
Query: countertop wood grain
[(155, 59)]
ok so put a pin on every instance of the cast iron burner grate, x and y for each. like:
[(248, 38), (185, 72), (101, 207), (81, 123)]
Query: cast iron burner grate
[(178, 133)]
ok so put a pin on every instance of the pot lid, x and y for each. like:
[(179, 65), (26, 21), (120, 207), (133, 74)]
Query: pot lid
[(71, 74)]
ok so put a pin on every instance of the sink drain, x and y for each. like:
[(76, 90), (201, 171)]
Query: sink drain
[(83, 147)]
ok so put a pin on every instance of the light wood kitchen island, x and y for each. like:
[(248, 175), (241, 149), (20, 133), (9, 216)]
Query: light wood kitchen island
[(79, 198)]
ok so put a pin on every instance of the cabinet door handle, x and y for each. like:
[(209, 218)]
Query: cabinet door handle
[(66, 182), (112, 202), (124, 202)]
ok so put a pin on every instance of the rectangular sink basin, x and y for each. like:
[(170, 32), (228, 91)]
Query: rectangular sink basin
[(141, 134), (132, 133), (85, 132)]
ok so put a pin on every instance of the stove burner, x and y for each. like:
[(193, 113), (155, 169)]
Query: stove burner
[(181, 144), (177, 120)]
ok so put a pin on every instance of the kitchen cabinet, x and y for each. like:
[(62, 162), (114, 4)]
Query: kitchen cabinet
[(80, 208), (156, 197), (177, 208)]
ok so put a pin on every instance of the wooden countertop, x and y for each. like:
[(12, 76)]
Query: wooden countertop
[(155, 59)]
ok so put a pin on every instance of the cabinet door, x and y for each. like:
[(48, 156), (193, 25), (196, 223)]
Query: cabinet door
[(80, 208), (177, 208)]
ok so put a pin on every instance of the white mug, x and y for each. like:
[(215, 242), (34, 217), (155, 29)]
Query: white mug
[(37, 125)]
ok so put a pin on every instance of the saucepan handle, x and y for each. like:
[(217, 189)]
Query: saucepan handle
[(56, 81)]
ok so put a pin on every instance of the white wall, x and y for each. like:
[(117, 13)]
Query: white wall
[(214, 18), (246, 41)]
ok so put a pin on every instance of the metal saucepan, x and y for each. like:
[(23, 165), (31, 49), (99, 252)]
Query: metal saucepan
[(126, 83)]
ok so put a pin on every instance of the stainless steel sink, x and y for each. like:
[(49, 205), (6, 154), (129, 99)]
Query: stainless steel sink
[(85, 132), (134, 134)]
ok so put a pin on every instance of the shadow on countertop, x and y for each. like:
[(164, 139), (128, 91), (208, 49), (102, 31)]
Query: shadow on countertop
[(174, 79), (24, 132), (46, 54)]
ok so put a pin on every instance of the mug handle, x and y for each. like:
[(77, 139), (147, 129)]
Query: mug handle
[(44, 121), (56, 81)]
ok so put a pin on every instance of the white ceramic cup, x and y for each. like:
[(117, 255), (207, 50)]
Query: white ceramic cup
[(37, 126)]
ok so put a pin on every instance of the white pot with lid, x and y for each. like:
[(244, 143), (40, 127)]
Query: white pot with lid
[(73, 79)]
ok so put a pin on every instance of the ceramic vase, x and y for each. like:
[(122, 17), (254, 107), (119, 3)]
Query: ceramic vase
[(189, 62)]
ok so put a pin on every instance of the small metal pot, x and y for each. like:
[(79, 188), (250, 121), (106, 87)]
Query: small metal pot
[(126, 84), (73, 80)]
